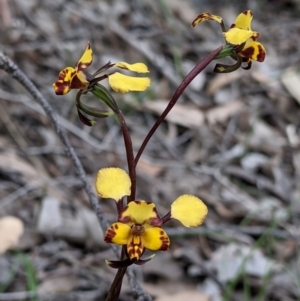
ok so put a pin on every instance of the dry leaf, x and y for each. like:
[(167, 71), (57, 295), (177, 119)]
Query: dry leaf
[(166, 287), (171, 270), (291, 80), (252, 161), (188, 295), (185, 115), (11, 229), (222, 113), (212, 289), (149, 168), (11, 161), (58, 285), (187, 14), (221, 80), (265, 137), (81, 227), (229, 260)]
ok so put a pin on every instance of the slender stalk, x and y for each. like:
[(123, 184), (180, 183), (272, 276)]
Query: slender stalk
[(101, 92), (115, 287), (186, 81), (129, 154)]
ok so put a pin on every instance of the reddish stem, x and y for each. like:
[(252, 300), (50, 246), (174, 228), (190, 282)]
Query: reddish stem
[(129, 154), (115, 288), (186, 81)]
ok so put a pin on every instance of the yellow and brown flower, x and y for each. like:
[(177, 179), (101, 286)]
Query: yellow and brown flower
[(139, 225), (78, 78), (240, 34)]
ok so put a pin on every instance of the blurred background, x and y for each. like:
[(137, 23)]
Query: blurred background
[(232, 139)]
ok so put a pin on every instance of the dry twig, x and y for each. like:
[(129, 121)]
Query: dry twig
[(12, 69)]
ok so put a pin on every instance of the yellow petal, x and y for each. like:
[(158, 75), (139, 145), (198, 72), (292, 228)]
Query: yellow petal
[(86, 59), (243, 20), (113, 183), (118, 233), (238, 36), (139, 212), (123, 83), (206, 17), (253, 50), (137, 67), (189, 210), (155, 239)]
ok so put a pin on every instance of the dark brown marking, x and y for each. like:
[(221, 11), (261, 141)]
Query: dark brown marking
[(60, 86), (110, 234), (261, 54), (137, 230), (125, 219), (248, 52), (76, 83), (165, 242)]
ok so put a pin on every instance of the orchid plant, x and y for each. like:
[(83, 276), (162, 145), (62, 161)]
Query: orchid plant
[(139, 226)]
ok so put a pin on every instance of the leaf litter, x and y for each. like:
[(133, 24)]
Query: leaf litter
[(234, 141)]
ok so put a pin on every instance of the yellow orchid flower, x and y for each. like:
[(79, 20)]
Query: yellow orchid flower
[(75, 78), (139, 225), (78, 78), (239, 34)]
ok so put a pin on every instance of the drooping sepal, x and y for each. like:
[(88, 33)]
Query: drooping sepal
[(85, 120), (119, 264), (102, 93), (143, 261), (222, 68)]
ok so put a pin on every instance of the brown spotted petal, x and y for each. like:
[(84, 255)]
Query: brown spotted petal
[(118, 233), (155, 239), (63, 84), (206, 17), (69, 79), (253, 50)]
